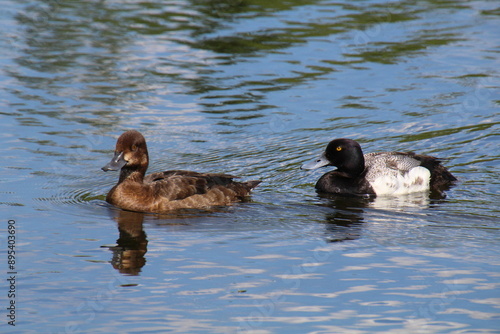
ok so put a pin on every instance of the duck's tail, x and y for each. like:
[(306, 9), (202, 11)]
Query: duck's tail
[(251, 184), (441, 177)]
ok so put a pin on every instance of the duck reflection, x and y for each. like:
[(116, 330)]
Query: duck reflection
[(345, 221), (132, 243), (128, 254)]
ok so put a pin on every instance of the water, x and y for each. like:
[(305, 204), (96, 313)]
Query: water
[(254, 89)]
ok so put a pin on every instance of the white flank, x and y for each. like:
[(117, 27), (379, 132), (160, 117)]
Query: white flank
[(417, 179)]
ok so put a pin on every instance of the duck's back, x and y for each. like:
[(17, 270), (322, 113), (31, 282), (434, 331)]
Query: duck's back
[(179, 184), (186, 189), (382, 162)]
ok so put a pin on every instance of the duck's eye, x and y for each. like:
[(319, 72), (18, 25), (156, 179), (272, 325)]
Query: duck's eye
[(134, 147), (339, 148)]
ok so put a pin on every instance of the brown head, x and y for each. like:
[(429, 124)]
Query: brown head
[(131, 154)]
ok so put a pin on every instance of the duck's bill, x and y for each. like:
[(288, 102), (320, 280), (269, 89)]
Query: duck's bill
[(116, 163), (321, 161)]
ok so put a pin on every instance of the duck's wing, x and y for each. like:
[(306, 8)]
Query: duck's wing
[(186, 173), (180, 184), (388, 163)]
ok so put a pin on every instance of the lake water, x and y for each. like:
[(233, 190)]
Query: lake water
[(251, 88)]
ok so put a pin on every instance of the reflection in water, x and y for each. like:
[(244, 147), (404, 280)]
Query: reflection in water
[(415, 200), (345, 222), (128, 255), (82, 53)]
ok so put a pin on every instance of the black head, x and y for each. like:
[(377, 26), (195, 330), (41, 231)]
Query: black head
[(345, 154)]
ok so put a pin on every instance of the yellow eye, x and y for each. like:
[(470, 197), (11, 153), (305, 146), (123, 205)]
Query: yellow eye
[(339, 148), (134, 147)]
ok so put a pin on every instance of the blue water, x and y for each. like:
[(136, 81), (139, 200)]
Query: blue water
[(253, 89)]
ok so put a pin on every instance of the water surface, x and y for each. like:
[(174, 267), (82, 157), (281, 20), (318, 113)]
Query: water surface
[(255, 89)]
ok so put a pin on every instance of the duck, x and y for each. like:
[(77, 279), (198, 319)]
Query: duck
[(167, 191), (378, 173)]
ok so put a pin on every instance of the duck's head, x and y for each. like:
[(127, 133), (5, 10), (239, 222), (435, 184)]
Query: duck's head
[(130, 152), (345, 154)]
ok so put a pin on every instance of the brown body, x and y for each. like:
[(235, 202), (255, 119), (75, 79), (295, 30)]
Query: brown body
[(166, 191)]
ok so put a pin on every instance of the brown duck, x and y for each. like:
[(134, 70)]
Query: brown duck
[(166, 191)]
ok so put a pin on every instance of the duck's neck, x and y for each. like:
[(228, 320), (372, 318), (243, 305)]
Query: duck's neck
[(354, 167), (132, 174), (136, 171)]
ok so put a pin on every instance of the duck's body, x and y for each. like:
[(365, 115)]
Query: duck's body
[(166, 191), (384, 173)]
